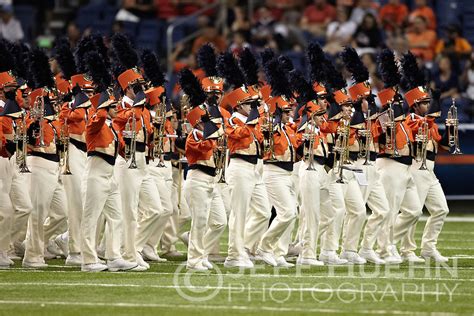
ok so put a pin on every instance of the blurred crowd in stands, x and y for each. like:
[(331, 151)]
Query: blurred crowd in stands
[(288, 26)]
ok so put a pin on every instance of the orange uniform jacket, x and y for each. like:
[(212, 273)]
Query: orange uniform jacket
[(243, 140), (144, 128), (200, 153), (51, 132), (415, 122), (404, 139), (101, 138), (6, 135), (285, 143), (76, 121)]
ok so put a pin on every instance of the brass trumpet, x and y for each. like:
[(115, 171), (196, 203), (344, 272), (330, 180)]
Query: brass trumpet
[(391, 136), (37, 114), (220, 157), (268, 142), (130, 132), (64, 153), (159, 135), (21, 150), (367, 134), (341, 147), (310, 135), (452, 123), (421, 139)]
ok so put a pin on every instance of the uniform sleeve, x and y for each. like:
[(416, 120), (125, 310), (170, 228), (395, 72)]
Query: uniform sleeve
[(199, 145), (96, 121), (329, 127), (237, 132), (77, 115), (64, 112)]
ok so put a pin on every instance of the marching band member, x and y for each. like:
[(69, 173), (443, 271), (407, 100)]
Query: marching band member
[(313, 178), (393, 162), (201, 179), (9, 111), (213, 87), (250, 210), (137, 188), (279, 156), (159, 166), (20, 183), (425, 109), (74, 118), (343, 188), (101, 195), (173, 230), (43, 131), (362, 152)]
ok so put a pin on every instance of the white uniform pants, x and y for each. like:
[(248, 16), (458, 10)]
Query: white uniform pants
[(216, 222), (374, 196), (138, 193), (314, 192), (180, 214), (402, 196), (6, 206), (72, 185), (101, 196), (20, 197), (250, 211), (296, 186), (346, 199), (281, 194), (199, 189), (432, 196), (164, 181), (49, 202)]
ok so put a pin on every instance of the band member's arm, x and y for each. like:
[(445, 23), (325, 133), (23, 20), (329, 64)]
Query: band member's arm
[(77, 115), (96, 122), (123, 114), (196, 143), (64, 113), (329, 127), (237, 132)]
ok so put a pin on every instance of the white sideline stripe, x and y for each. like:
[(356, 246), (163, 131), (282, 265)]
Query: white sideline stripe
[(452, 219), (207, 287), (225, 307), (265, 276)]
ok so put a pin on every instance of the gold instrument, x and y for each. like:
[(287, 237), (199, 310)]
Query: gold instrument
[(220, 157), (364, 152), (341, 147), (37, 114), (21, 151), (391, 130), (422, 138), (310, 135), (158, 148), (64, 153), (268, 142), (130, 132), (452, 124)]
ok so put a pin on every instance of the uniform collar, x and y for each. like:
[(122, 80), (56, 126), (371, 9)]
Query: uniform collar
[(241, 117), (127, 100)]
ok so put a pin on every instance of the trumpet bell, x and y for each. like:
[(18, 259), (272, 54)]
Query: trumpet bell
[(24, 169), (456, 151)]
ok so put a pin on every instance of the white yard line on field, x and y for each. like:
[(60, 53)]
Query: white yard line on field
[(208, 287), (453, 219), (222, 307), (236, 275)]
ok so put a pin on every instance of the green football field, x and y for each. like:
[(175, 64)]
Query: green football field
[(166, 289)]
